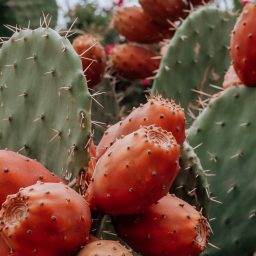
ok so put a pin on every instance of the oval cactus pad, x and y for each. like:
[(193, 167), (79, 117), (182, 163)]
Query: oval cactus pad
[(45, 103)]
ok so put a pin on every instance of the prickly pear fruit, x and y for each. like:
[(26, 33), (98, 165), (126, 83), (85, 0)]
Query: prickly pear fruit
[(124, 183), (243, 41), (104, 248), (93, 58), (137, 26), (157, 111), (165, 10), (17, 171), (4, 249), (231, 78), (46, 218), (169, 227), (133, 61)]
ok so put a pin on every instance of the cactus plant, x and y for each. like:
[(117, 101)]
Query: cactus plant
[(226, 130), (45, 103), (105, 107), (39, 212), (191, 184), (197, 56), (121, 181)]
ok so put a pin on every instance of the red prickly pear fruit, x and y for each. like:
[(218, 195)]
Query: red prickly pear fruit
[(242, 44), (231, 78), (17, 171), (46, 218), (157, 111), (133, 62), (137, 26), (104, 248), (136, 171), (169, 227), (4, 249), (160, 10), (93, 58)]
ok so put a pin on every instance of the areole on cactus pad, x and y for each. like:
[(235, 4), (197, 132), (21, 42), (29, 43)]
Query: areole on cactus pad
[(45, 103)]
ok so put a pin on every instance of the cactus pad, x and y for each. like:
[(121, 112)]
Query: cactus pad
[(198, 50), (45, 103), (191, 184), (226, 128)]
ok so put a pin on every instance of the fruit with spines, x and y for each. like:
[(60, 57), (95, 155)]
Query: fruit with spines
[(169, 227), (157, 111), (93, 58), (17, 171), (164, 11), (242, 45), (104, 248), (133, 61), (46, 219), (137, 26), (136, 171), (203, 61), (225, 129), (43, 91)]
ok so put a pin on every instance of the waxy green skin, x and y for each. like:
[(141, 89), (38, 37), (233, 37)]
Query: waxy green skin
[(191, 184), (197, 57), (226, 130), (45, 104), (26, 12)]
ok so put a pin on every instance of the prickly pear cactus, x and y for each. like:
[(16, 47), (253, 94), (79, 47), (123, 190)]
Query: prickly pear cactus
[(226, 128), (191, 184), (197, 57), (45, 103), (25, 12), (105, 108)]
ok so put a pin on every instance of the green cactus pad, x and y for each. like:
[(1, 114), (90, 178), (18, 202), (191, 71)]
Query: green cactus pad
[(226, 128), (24, 12), (45, 103), (105, 108), (197, 57), (191, 184)]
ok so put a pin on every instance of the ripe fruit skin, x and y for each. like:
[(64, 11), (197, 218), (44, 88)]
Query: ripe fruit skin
[(136, 171), (104, 248), (46, 218), (157, 111), (17, 171), (243, 41), (133, 62), (94, 74), (231, 78), (169, 227), (165, 10), (4, 249), (137, 26)]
